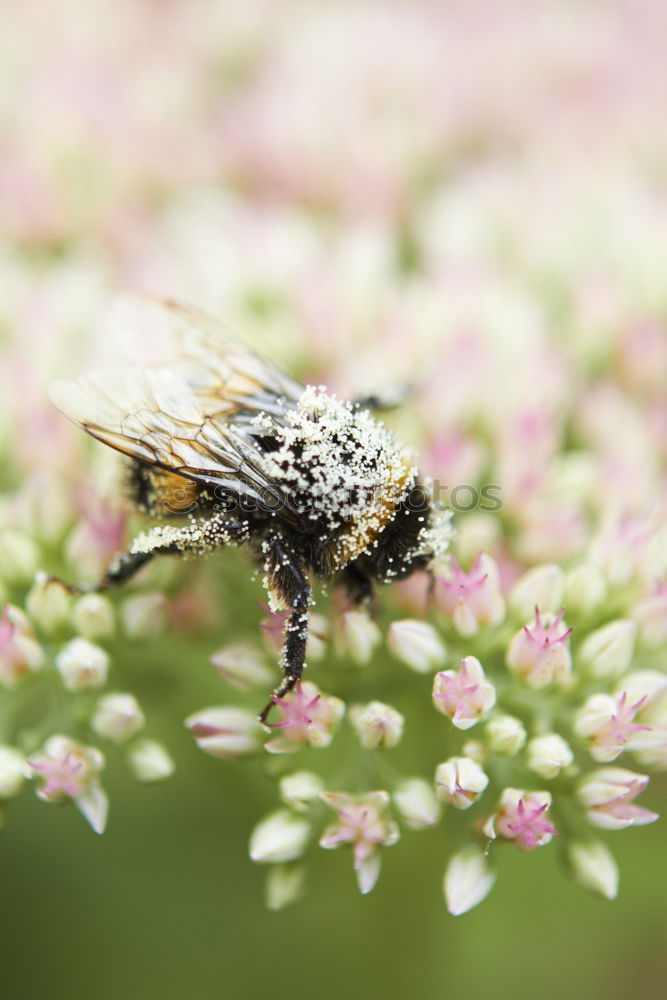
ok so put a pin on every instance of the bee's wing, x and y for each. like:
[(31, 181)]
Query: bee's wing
[(192, 415)]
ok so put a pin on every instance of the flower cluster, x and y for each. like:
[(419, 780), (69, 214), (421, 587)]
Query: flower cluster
[(524, 734), (518, 692)]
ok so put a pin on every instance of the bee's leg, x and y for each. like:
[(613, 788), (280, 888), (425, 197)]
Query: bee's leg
[(198, 537), (393, 397), (288, 581), (430, 593), (358, 585)]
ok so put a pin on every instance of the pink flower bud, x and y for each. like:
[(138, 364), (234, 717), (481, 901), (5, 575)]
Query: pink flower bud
[(464, 695), (19, 652), (607, 796), (606, 723), (538, 654), (307, 718), (363, 823), (471, 599), (70, 771), (521, 818)]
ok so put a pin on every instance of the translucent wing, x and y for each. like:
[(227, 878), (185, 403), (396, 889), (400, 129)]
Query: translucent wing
[(192, 413)]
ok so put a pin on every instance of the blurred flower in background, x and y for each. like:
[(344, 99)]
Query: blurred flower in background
[(467, 199)]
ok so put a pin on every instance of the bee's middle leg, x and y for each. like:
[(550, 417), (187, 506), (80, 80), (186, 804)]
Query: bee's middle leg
[(358, 586), (290, 583)]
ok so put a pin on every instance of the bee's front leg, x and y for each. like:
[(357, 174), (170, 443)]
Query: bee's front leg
[(287, 579), (199, 536)]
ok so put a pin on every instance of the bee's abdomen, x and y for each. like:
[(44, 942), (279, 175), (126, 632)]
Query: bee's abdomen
[(162, 494)]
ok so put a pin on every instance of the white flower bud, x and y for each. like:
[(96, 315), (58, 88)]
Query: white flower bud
[(593, 867), (93, 804), (358, 636), (460, 781), (585, 589), (82, 665), (547, 755), (543, 586), (608, 651), (300, 789), (144, 615), (417, 803), (476, 750), (476, 532), (279, 837), (117, 717), (47, 603), (93, 616), (226, 731), (417, 644), (242, 666), (12, 771), (505, 735), (43, 505), (650, 614), (468, 880), (18, 557), (377, 725), (316, 644), (150, 761), (285, 884)]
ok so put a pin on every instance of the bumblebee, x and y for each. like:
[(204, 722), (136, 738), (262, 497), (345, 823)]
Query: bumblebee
[(234, 452)]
